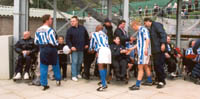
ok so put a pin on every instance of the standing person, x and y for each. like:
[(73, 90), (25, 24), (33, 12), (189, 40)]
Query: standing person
[(158, 40), (196, 5), (62, 57), (77, 39), (45, 37), (121, 32), (144, 51), (108, 29), (99, 43)]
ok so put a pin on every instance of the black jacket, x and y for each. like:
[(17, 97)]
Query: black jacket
[(62, 57), (26, 44), (158, 36), (109, 31), (196, 46), (77, 37), (122, 36), (115, 51)]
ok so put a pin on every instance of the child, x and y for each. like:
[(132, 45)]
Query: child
[(62, 57)]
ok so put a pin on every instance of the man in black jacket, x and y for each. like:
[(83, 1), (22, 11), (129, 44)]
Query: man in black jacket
[(121, 33), (158, 40), (26, 50), (77, 39)]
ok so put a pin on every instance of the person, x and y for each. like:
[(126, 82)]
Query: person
[(119, 59), (140, 11), (77, 39), (99, 44), (62, 57), (158, 40), (26, 50), (121, 33), (45, 37), (170, 57), (196, 46), (144, 51), (108, 29), (196, 5)]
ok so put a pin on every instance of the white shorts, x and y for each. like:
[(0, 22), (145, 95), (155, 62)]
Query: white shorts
[(104, 56), (143, 60)]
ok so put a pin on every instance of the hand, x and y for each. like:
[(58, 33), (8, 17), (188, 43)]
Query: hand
[(163, 47), (28, 52), (167, 55), (123, 51), (73, 49), (86, 46), (146, 52)]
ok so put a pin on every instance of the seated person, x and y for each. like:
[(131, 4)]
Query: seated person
[(189, 63), (26, 50), (132, 62), (170, 57), (119, 59), (62, 57)]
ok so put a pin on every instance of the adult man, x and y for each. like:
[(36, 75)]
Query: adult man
[(144, 52), (77, 39), (99, 43), (121, 33), (158, 41), (45, 37), (26, 50), (108, 29)]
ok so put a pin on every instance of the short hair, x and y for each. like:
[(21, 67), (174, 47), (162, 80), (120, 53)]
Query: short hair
[(121, 21), (45, 17), (75, 18), (190, 43), (99, 27), (148, 19), (135, 22), (61, 36), (115, 37)]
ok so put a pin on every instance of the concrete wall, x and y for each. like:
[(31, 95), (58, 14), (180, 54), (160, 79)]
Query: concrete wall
[(6, 68)]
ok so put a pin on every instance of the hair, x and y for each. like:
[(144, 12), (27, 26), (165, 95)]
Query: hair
[(99, 27), (45, 17), (75, 17), (148, 19), (61, 36), (135, 22), (115, 37), (190, 43), (121, 21)]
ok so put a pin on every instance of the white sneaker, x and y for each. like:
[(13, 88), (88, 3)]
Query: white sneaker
[(79, 76), (173, 74), (74, 79), (26, 76), (17, 76)]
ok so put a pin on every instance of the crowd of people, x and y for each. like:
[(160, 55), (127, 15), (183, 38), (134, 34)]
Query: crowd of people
[(116, 51)]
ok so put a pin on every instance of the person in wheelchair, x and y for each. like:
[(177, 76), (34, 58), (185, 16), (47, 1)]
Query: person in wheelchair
[(26, 50), (119, 59), (170, 57)]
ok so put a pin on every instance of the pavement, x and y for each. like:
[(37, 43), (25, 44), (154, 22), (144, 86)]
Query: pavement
[(83, 89)]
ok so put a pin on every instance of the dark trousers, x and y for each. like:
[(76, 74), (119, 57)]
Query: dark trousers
[(63, 66), (120, 67), (21, 62), (159, 60), (171, 64), (88, 59)]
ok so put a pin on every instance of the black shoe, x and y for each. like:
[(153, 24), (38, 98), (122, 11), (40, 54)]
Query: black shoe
[(134, 87), (58, 83), (101, 88), (160, 85), (45, 88), (99, 83), (146, 83)]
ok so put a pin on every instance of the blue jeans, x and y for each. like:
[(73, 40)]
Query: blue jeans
[(44, 73), (77, 59)]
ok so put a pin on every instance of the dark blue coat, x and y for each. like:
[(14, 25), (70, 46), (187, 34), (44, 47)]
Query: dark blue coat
[(77, 37), (196, 46), (158, 36)]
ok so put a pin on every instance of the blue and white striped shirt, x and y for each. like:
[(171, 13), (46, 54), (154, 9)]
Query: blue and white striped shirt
[(45, 35), (189, 51), (142, 36), (98, 40)]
